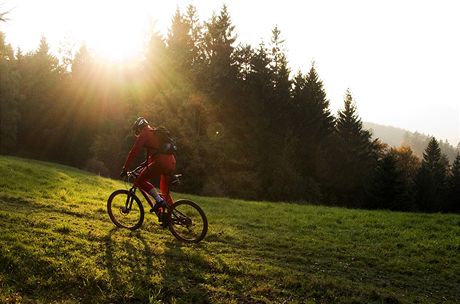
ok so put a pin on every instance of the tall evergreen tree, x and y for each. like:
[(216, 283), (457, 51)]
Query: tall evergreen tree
[(313, 123), (356, 156), (257, 116), (218, 47), (219, 82), (279, 101), (280, 146), (408, 164), (454, 186), (279, 66), (156, 64), (82, 62), (9, 114), (40, 76), (83, 107), (431, 179), (180, 43), (388, 190)]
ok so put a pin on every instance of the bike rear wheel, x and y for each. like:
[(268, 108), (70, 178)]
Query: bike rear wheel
[(187, 221), (125, 209)]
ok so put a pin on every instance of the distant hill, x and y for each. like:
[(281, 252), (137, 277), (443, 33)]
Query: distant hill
[(418, 142), (390, 135)]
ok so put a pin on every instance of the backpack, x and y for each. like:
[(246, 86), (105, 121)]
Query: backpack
[(167, 143)]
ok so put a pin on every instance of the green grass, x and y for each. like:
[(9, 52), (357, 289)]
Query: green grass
[(57, 245)]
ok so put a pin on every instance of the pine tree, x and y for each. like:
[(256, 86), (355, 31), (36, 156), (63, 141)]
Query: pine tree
[(431, 179), (279, 66), (256, 84), (40, 75), (355, 156), (312, 121), (454, 186), (389, 188), (319, 105), (408, 164), (218, 46), (156, 67), (280, 145), (9, 115), (220, 73), (195, 45), (82, 62), (180, 44), (219, 37)]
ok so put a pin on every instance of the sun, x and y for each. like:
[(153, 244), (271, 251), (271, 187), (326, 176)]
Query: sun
[(115, 30), (116, 46)]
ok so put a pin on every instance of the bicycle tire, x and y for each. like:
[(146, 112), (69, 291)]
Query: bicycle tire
[(117, 199), (180, 224)]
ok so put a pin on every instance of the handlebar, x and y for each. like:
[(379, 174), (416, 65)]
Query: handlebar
[(136, 172)]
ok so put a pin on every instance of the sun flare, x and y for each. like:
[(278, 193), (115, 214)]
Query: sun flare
[(115, 47), (115, 31)]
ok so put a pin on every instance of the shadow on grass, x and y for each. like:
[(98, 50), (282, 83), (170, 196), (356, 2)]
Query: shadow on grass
[(184, 274), (129, 268), (140, 275)]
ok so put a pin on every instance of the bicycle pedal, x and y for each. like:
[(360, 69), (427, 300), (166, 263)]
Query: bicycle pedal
[(164, 224)]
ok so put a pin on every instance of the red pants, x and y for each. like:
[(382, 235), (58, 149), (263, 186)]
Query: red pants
[(164, 166)]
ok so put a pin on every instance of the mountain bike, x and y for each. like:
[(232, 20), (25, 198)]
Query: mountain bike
[(184, 218)]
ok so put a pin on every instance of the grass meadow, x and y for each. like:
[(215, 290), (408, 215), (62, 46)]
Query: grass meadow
[(58, 245)]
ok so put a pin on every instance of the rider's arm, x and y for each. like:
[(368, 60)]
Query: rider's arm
[(137, 147)]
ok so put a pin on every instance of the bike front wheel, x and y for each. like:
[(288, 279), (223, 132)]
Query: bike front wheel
[(187, 221), (125, 209)]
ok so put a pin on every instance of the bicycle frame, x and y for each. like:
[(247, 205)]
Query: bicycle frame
[(147, 197), (132, 174), (129, 199)]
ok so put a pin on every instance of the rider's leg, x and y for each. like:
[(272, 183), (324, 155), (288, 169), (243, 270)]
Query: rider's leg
[(164, 188), (168, 169), (164, 166), (142, 182)]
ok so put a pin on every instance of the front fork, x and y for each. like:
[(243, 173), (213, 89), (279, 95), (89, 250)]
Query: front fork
[(130, 198)]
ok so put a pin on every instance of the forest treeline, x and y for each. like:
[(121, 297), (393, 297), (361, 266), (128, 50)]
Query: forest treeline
[(246, 126), (418, 142)]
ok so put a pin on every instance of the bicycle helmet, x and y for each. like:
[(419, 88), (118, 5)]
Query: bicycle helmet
[(140, 123)]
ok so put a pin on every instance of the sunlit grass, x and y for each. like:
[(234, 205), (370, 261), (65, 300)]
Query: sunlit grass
[(57, 244)]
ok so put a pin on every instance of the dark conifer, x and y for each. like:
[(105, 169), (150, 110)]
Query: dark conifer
[(9, 94), (180, 44), (356, 156), (454, 186), (389, 188), (218, 47), (313, 125), (431, 179)]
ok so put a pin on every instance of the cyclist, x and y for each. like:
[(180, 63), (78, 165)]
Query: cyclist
[(157, 163)]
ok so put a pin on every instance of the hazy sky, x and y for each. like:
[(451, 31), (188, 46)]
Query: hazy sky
[(400, 58)]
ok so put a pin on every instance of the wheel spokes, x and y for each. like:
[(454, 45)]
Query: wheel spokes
[(187, 222), (128, 214)]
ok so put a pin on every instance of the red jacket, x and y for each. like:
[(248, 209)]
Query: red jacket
[(146, 139)]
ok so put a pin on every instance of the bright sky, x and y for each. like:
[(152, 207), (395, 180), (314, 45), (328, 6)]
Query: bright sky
[(400, 58)]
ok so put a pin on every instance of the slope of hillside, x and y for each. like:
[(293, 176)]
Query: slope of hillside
[(57, 245), (396, 137), (390, 135)]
